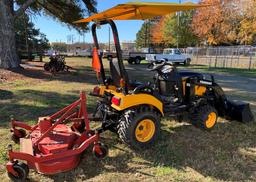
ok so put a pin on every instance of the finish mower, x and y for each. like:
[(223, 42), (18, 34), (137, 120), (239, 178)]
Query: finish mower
[(53, 146), (130, 109)]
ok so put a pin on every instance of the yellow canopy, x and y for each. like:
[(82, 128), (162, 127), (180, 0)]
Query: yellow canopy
[(140, 11)]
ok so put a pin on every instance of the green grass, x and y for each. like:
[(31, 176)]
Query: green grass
[(182, 153), (233, 71), (205, 68)]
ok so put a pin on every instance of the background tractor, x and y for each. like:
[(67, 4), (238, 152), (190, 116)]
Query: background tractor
[(56, 64)]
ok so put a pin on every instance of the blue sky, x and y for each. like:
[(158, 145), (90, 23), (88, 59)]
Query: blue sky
[(56, 31)]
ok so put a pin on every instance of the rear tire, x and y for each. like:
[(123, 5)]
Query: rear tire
[(139, 127), (187, 62), (204, 117), (46, 67), (137, 60)]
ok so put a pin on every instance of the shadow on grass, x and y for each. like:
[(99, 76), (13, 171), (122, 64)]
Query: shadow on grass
[(223, 154), (28, 105), (83, 74), (5, 94), (219, 154)]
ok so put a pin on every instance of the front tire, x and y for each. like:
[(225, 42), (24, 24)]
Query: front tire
[(204, 117), (139, 127)]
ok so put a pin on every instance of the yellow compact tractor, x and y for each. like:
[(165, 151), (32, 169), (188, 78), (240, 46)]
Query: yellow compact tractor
[(132, 109)]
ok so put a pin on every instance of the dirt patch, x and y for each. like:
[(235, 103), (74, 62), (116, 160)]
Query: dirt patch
[(7, 75), (31, 72), (27, 70)]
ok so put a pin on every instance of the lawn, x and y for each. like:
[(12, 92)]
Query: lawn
[(233, 71), (183, 152)]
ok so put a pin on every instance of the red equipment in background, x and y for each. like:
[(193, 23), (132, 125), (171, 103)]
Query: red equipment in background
[(51, 145)]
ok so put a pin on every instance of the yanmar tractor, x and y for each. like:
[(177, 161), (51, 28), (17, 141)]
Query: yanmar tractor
[(131, 109)]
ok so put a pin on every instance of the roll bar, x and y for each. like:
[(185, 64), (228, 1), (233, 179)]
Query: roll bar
[(117, 46)]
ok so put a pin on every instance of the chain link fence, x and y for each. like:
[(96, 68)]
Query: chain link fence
[(224, 57)]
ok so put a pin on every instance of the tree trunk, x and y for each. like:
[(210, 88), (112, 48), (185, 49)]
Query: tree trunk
[(8, 53)]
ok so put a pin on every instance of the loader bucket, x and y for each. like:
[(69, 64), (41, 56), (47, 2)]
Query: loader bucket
[(239, 111)]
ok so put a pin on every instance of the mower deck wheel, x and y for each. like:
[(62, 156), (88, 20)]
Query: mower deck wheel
[(22, 171), (139, 127), (16, 138), (100, 151), (204, 117)]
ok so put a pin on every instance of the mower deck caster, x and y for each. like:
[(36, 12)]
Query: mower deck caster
[(17, 134), (17, 171), (100, 151)]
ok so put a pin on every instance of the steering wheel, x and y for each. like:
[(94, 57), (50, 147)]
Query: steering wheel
[(156, 65)]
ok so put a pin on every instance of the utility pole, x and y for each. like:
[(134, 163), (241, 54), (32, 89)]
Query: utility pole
[(108, 39), (67, 39), (178, 22), (72, 39), (149, 33), (146, 33)]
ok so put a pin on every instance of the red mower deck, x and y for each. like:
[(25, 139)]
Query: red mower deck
[(52, 146)]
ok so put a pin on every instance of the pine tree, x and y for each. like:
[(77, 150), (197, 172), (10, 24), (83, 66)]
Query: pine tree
[(143, 36)]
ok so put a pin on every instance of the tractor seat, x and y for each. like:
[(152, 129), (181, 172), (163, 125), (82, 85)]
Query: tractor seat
[(116, 76), (115, 72)]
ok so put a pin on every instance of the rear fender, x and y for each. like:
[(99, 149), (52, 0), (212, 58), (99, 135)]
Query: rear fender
[(132, 100)]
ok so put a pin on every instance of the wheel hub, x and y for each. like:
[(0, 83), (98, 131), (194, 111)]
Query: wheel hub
[(145, 130), (211, 120)]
